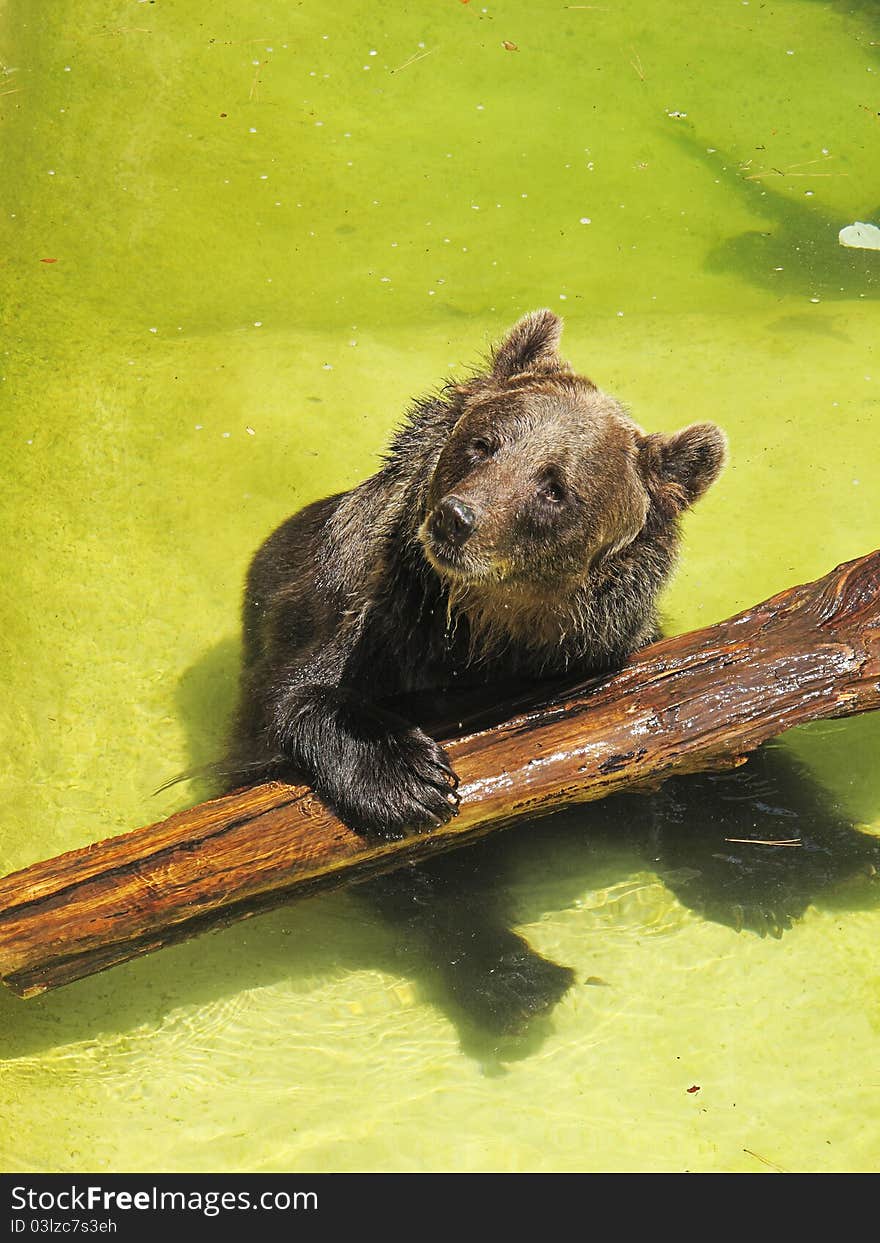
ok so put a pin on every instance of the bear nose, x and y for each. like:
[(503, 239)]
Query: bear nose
[(453, 521)]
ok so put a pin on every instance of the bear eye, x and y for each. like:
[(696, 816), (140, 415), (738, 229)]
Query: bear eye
[(481, 447)]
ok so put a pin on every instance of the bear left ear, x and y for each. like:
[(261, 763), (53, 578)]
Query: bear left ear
[(532, 344), (682, 466)]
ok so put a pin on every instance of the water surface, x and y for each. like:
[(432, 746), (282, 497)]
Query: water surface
[(234, 241)]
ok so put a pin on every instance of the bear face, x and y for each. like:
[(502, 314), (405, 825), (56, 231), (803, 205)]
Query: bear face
[(544, 490), (539, 479)]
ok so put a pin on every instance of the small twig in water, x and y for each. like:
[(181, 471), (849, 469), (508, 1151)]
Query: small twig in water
[(772, 1164), (239, 42), (788, 171), (782, 173), (252, 93), (412, 60), (759, 841)]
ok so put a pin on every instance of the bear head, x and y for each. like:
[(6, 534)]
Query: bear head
[(544, 477)]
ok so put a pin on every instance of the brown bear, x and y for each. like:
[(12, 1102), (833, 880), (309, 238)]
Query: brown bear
[(522, 525)]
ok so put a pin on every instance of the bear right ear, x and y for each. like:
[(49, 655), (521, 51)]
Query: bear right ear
[(679, 468), (532, 344)]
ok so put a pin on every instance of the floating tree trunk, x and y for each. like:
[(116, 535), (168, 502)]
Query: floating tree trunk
[(700, 701)]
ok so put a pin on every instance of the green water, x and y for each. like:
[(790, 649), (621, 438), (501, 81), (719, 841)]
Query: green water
[(272, 225)]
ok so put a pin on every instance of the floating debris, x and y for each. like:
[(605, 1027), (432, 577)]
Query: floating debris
[(412, 60), (860, 235), (765, 1161)]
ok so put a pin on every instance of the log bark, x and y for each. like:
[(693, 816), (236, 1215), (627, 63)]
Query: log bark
[(699, 701)]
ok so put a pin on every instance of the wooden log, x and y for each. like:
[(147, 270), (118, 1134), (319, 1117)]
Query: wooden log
[(700, 701)]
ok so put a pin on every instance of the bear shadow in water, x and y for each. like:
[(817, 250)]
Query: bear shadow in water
[(750, 848)]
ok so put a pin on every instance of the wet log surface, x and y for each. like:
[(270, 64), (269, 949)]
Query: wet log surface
[(696, 702)]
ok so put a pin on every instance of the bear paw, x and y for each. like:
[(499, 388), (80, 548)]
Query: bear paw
[(392, 786)]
